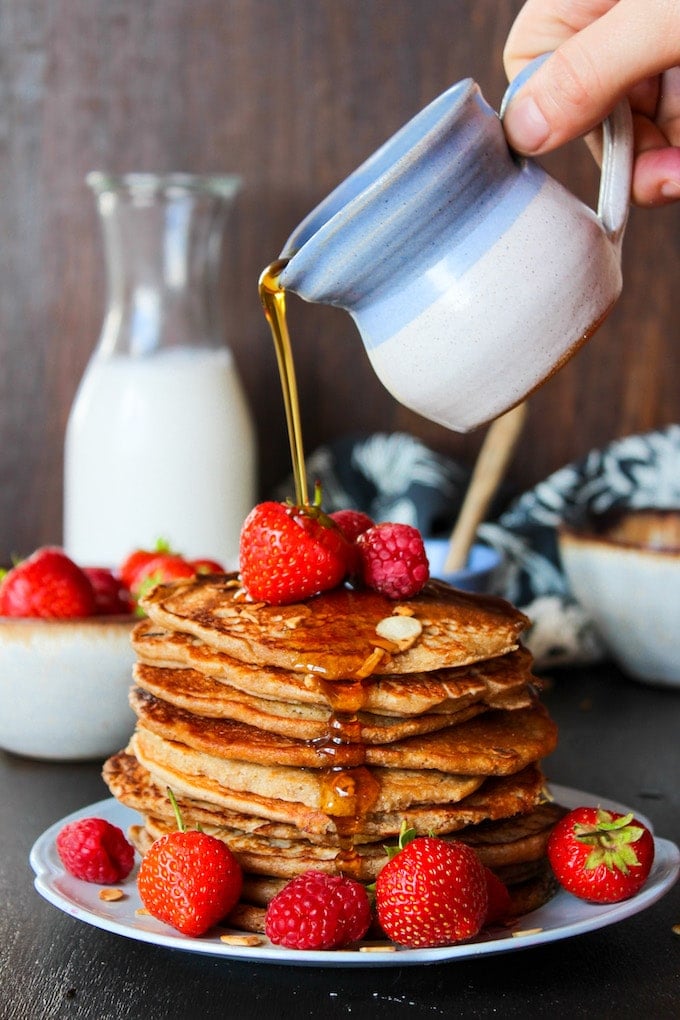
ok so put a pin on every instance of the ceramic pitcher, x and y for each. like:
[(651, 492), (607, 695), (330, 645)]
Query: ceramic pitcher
[(471, 274)]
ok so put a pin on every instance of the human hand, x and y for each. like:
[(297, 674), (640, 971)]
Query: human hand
[(602, 51)]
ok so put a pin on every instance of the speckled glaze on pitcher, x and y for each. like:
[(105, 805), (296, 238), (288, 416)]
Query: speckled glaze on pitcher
[(471, 274)]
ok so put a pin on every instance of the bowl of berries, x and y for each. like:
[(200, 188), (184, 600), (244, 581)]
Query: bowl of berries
[(65, 659), (65, 653)]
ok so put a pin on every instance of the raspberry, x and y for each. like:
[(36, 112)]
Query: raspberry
[(352, 523), (95, 850), (318, 911), (393, 560)]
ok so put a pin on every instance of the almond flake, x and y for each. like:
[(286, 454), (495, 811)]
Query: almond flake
[(378, 947), (111, 895), (241, 940), (402, 631), (526, 931), (370, 664)]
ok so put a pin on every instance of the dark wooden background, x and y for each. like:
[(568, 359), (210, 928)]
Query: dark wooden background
[(292, 95)]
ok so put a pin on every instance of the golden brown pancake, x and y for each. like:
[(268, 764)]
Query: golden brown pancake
[(500, 682), (496, 743), (334, 634), (191, 691), (141, 783)]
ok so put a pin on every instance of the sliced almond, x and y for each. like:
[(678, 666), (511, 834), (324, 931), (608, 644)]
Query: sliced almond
[(111, 895), (402, 610), (378, 947), (241, 940), (402, 631), (370, 664)]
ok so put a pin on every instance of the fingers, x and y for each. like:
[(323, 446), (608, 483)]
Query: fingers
[(590, 71)]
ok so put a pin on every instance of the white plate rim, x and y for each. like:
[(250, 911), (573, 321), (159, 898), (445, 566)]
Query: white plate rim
[(81, 900)]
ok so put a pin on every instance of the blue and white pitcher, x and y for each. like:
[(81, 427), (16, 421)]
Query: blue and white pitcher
[(471, 274)]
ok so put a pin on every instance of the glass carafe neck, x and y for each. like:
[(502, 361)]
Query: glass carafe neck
[(163, 243)]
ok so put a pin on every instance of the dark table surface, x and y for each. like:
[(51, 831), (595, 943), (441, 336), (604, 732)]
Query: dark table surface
[(618, 739)]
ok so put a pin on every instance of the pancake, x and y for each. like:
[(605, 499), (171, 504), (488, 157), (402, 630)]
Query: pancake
[(393, 789), (191, 691), (276, 849), (500, 682), (334, 634), (496, 743)]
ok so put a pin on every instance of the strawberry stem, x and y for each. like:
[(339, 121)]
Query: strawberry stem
[(175, 807)]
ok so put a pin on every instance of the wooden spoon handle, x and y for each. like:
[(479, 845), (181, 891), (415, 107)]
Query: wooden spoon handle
[(494, 456)]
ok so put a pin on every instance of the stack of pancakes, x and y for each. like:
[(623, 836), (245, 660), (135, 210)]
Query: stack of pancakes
[(305, 735)]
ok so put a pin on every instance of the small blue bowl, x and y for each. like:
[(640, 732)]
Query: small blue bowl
[(477, 575)]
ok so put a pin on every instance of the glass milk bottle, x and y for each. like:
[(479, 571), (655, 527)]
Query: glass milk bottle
[(160, 442)]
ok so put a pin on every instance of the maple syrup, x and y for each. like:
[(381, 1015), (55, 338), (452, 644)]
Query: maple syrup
[(273, 298), (349, 789)]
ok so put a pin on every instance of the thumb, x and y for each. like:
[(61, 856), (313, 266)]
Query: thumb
[(586, 76)]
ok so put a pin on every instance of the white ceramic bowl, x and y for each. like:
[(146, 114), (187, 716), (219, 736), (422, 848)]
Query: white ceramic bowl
[(478, 573), (64, 687), (625, 572)]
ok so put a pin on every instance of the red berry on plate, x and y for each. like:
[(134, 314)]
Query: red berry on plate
[(433, 892), (48, 584), (601, 856), (189, 880), (110, 594), (95, 850), (318, 911), (288, 553), (393, 560), (499, 906)]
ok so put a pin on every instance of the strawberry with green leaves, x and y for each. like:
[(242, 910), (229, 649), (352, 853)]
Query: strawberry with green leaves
[(432, 892), (289, 552), (601, 856), (189, 879)]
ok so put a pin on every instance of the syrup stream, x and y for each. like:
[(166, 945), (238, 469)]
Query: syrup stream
[(273, 298)]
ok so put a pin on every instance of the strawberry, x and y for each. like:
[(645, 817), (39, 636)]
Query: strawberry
[(110, 594), (288, 553), (94, 850), (432, 892), (318, 911), (159, 569), (601, 856), (392, 560), (189, 879), (138, 559), (206, 566), (499, 904), (47, 584)]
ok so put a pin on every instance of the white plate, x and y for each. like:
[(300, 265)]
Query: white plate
[(562, 917)]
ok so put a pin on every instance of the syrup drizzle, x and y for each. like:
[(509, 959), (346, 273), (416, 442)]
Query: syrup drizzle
[(273, 298), (349, 790)]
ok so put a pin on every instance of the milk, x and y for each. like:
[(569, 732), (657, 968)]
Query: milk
[(158, 446)]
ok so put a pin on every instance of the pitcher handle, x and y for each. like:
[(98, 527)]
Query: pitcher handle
[(617, 157)]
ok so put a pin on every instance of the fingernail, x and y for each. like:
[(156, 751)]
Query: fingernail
[(670, 189), (526, 127)]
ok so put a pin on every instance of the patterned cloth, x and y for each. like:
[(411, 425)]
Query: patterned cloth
[(395, 477)]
